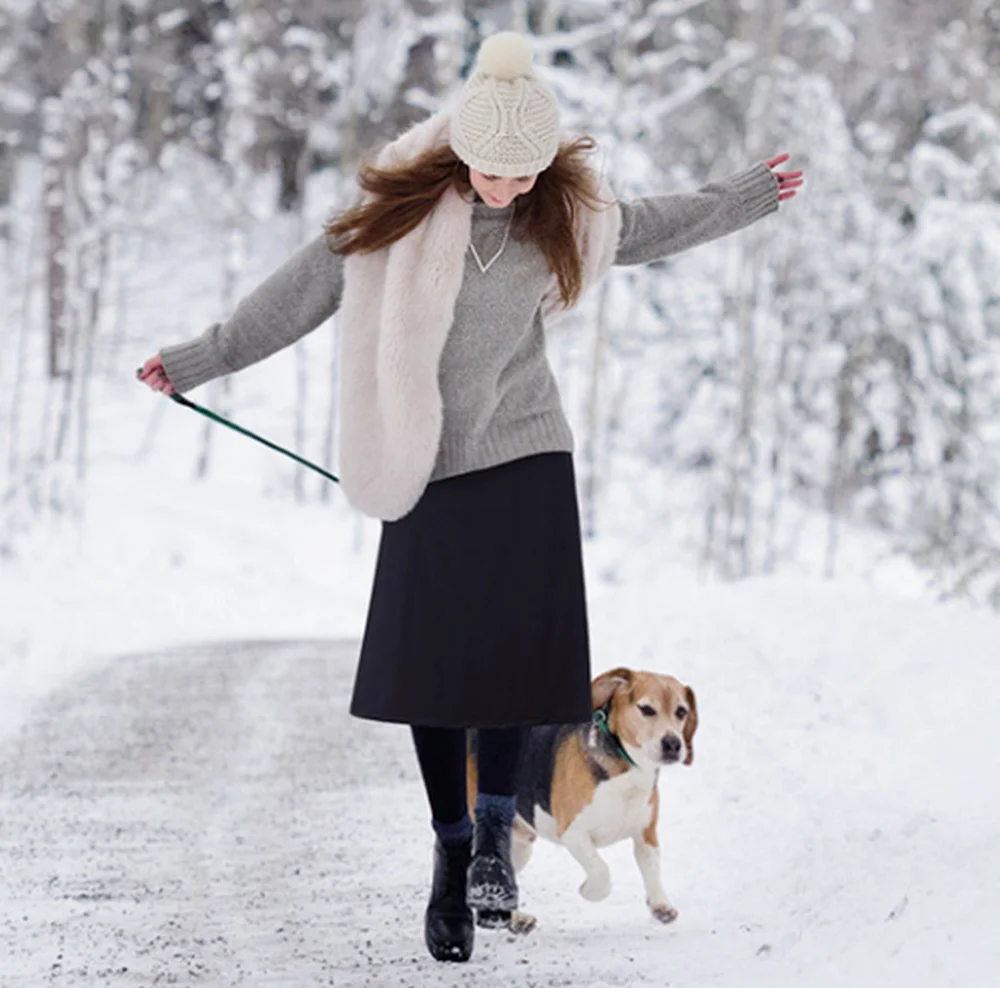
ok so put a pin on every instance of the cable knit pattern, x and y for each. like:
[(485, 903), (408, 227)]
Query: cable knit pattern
[(506, 121), (459, 382)]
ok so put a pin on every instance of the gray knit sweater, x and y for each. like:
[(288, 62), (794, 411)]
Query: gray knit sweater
[(500, 399)]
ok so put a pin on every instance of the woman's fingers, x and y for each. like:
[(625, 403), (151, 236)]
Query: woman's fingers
[(163, 384), (152, 364), (152, 374), (788, 182)]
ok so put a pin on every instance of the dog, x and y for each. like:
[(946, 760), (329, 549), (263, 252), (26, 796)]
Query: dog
[(586, 786)]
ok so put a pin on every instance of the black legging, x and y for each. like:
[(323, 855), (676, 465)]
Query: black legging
[(441, 754)]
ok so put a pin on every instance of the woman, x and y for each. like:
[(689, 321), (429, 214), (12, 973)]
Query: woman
[(476, 227)]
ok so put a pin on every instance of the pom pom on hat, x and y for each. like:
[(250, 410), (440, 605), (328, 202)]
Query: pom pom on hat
[(506, 55), (506, 121)]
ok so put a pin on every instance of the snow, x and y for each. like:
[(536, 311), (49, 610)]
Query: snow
[(837, 825)]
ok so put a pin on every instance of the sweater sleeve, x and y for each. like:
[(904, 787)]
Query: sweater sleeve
[(655, 227), (302, 294)]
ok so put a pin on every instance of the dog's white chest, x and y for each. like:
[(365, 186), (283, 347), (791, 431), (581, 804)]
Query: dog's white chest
[(620, 808)]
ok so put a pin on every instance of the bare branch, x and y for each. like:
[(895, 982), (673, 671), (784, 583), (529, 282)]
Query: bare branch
[(658, 11), (738, 54), (581, 37)]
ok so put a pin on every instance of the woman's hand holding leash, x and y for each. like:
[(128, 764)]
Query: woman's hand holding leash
[(153, 374), (788, 182)]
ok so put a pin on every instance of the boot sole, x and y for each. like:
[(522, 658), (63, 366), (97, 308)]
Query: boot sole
[(493, 919), (491, 897)]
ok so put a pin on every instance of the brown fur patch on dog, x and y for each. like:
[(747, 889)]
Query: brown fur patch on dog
[(572, 783), (649, 834), (608, 684), (690, 724)]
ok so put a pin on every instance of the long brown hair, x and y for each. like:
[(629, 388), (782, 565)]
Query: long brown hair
[(399, 198)]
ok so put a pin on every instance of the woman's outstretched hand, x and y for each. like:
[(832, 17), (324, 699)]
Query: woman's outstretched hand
[(153, 374), (788, 182)]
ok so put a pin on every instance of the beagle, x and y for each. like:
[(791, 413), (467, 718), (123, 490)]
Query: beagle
[(586, 786)]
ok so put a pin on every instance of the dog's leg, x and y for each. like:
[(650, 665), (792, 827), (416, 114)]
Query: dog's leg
[(521, 923), (647, 857), (598, 883), (522, 840)]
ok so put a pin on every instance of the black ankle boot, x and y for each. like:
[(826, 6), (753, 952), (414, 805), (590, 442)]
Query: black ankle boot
[(448, 924), (492, 885)]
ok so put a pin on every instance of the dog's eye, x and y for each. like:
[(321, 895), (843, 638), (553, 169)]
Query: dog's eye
[(681, 713), (647, 711)]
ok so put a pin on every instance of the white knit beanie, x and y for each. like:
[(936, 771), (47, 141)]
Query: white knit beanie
[(507, 121)]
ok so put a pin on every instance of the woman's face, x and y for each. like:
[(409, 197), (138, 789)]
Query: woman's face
[(497, 191)]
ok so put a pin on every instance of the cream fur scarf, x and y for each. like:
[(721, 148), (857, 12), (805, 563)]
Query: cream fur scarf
[(397, 307)]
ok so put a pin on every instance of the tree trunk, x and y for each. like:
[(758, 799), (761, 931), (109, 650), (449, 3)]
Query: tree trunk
[(56, 244), (236, 135), (8, 163), (548, 19), (761, 26), (293, 171), (301, 415), (592, 417), (20, 373), (838, 469), (779, 424), (86, 366), (329, 435), (742, 468)]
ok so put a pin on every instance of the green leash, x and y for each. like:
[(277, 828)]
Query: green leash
[(181, 400), (601, 720)]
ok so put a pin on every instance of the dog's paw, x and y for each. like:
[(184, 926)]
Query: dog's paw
[(597, 886), (664, 912), (521, 923)]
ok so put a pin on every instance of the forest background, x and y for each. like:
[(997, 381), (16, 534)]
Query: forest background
[(828, 378)]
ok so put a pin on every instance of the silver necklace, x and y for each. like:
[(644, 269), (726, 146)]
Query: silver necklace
[(503, 243)]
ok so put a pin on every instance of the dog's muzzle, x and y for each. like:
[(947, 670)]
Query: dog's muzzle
[(670, 748)]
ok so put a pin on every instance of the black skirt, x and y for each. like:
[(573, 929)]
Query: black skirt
[(478, 615)]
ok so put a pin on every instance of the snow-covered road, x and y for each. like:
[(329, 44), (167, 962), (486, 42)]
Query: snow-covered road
[(212, 816), (208, 817)]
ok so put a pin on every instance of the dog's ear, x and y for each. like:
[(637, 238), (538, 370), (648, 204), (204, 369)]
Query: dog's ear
[(690, 724), (609, 683)]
